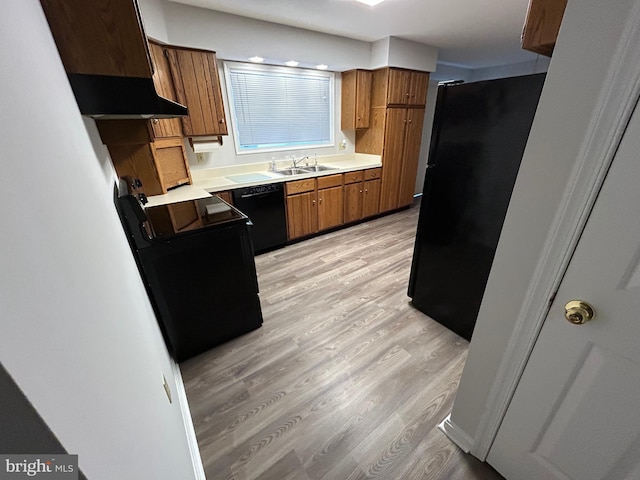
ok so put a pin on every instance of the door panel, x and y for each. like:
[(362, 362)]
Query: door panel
[(330, 207), (411, 157), (392, 158), (576, 411)]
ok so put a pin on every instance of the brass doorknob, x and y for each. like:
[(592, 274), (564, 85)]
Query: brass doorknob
[(578, 312)]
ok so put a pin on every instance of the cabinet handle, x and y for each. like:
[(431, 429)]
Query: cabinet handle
[(360, 191), (222, 120), (410, 121), (407, 94), (366, 191), (320, 200), (313, 202), (155, 121)]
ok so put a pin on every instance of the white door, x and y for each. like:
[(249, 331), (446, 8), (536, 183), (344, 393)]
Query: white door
[(576, 411)]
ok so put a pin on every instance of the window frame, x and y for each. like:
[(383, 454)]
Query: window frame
[(251, 67)]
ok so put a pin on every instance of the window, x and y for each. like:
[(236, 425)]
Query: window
[(279, 108)]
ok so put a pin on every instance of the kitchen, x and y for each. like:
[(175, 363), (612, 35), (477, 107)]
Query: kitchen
[(86, 181)]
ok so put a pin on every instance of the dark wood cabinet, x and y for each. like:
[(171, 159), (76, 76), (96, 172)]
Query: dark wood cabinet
[(170, 127), (197, 84)]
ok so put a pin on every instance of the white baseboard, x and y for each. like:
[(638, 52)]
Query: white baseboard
[(455, 434), (181, 394)]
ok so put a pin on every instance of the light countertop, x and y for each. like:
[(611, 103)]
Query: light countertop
[(211, 180)]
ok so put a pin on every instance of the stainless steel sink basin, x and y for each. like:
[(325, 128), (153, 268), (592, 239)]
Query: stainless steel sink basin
[(291, 171), (318, 168), (305, 169)]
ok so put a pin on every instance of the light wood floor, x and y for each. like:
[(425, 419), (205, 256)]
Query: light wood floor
[(345, 380)]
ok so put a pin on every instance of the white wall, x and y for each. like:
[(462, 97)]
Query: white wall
[(152, 12), (397, 52), (574, 81), (539, 65), (78, 333)]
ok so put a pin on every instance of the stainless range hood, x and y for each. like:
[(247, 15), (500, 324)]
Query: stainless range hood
[(109, 97)]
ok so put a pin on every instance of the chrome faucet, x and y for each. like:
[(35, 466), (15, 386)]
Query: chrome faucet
[(296, 162)]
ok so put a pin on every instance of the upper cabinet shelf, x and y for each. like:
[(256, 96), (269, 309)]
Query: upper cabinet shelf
[(542, 25)]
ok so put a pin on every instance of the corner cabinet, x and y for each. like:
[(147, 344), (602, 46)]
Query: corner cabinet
[(197, 84), (542, 25), (395, 132)]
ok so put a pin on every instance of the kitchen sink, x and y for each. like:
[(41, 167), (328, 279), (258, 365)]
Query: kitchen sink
[(318, 168), (291, 171), (303, 170)]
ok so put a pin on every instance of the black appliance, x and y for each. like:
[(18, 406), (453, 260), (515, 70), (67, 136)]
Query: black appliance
[(478, 139), (265, 206), (202, 282)]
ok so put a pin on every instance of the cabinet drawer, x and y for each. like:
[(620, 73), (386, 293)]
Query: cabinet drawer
[(372, 173), (330, 181), (300, 186), (353, 177)]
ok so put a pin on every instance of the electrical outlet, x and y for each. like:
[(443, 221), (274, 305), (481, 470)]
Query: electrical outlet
[(200, 157), (342, 145)]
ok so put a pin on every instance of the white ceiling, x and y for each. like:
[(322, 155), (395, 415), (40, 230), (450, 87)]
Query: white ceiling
[(468, 33)]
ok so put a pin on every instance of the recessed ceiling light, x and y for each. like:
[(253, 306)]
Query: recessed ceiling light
[(292, 63), (371, 3), (256, 59), (322, 66)]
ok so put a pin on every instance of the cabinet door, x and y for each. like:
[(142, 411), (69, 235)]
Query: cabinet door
[(542, 25), (302, 215), (371, 199), (352, 202), (356, 99), (399, 86), (330, 207), (411, 155), (170, 127), (418, 89), (195, 78), (392, 158), (171, 162)]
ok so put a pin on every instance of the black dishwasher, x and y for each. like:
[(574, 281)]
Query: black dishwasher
[(264, 205)]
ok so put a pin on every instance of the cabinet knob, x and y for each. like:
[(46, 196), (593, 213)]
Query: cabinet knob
[(222, 120), (360, 191), (407, 94), (313, 202), (366, 190), (155, 121)]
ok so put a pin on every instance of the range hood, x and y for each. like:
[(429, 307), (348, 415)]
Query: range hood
[(108, 97)]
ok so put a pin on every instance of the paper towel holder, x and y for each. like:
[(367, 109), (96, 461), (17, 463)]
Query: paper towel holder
[(205, 144)]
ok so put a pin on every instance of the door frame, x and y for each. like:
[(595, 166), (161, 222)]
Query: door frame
[(615, 104)]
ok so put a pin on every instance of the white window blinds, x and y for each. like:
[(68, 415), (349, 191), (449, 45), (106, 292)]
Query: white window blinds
[(278, 108)]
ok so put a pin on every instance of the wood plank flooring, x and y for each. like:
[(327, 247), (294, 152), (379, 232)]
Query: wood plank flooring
[(345, 380)]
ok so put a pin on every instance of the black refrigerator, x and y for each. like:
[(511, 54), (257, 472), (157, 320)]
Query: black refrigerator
[(479, 134)]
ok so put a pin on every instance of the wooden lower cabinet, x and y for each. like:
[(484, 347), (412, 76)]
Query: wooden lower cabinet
[(362, 196), (371, 199), (302, 214), (330, 208)]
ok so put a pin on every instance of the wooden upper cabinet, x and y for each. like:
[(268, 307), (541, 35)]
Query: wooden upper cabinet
[(356, 99), (399, 84), (542, 25), (399, 87), (197, 84), (171, 127), (418, 89), (100, 37)]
